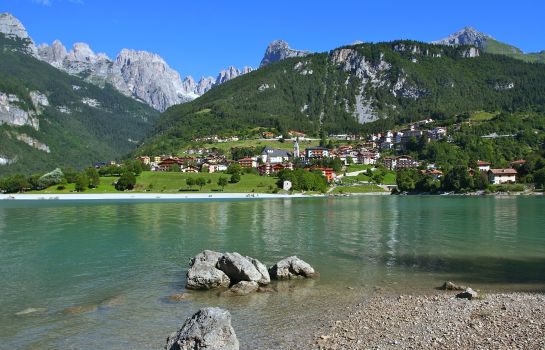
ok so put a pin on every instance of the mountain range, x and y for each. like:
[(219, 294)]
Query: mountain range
[(60, 107), (368, 87), (139, 74)]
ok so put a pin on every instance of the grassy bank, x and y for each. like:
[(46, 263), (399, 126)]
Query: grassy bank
[(170, 182)]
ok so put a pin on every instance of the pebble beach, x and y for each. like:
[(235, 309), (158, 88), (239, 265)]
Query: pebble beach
[(439, 320)]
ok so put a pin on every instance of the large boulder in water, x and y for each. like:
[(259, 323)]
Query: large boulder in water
[(291, 267), (265, 277), (210, 328), (203, 274), (238, 268)]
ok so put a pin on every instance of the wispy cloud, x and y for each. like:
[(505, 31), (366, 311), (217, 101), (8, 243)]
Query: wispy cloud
[(43, 2), (50, 2)]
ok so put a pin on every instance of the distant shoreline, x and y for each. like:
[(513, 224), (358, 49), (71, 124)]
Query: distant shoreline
[(149, 196)]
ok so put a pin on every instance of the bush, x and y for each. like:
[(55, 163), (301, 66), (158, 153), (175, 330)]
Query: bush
[(126, 181), (235, 178), (82, 182), (53, 178), (92, 175)]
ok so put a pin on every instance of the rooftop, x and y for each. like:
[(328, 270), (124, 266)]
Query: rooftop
[(503, 171)]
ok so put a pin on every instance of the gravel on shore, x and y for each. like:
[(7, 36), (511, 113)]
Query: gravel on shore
[(491, 321)]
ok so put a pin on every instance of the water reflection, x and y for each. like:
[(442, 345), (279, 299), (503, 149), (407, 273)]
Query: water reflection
[(74, 256)]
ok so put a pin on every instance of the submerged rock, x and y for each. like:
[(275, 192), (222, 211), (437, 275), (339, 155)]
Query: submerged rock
[(467, 294), (179, 297), (244, 288), (291, 267), (31, 310), (203, 273), (238, 268), (209, 328)]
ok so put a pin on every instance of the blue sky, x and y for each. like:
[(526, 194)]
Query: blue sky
[(200, 37)]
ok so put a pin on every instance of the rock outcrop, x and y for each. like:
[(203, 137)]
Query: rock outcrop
[(279, 50), (209, 328), (290, 268), (466, 36), (238, 268), (203, 274), (141, 74), (242, 274), (11, 112), (262, 269), (12, 28)]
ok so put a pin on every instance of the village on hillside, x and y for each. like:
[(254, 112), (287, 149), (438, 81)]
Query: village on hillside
[(334, 160)]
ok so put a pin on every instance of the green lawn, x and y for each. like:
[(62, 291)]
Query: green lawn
[(482, 116), (358, 167), (389, 178), (357, 189), (106, 186), (170, 182)]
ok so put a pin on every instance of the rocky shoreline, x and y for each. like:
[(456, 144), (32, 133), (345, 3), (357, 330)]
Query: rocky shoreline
[(439, 320)]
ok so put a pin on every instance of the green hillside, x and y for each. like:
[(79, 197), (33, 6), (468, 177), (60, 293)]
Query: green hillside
[(76, 133), (395, 82), (496, 47)]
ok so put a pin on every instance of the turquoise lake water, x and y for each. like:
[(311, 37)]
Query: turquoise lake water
[(98, 275)]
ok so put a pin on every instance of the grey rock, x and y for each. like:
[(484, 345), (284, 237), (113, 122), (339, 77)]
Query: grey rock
[(291, 267), (11, 112), (12, 28), (209, 328), (466, 36), (448, 285), (244, 288), (279, 50), (203, 273), (206, 257), (54, 54), (467, 294), (265, 277), (238, 268)]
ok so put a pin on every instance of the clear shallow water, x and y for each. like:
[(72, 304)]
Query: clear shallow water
[(100, 274)]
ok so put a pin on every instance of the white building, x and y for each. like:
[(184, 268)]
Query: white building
[(502, 176)]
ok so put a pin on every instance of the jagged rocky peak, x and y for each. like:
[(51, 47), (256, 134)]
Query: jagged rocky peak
[(466, 36), (12, 27), (228, 74), (205, 84), (140, 74), (81, 52), (279, 50), (53, 54)]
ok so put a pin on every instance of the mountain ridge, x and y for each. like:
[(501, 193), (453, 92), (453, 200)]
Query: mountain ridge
[(160, 87)]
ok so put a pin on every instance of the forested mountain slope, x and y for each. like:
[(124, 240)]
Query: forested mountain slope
[(49, 118), (352, 88)]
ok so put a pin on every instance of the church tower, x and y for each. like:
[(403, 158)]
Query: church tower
[(296, 149)]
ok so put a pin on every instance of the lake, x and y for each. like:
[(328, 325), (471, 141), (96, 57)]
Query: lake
[(98, 275)]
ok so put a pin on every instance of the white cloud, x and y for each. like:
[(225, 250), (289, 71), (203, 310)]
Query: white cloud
[(42, 2), (50, 2)]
